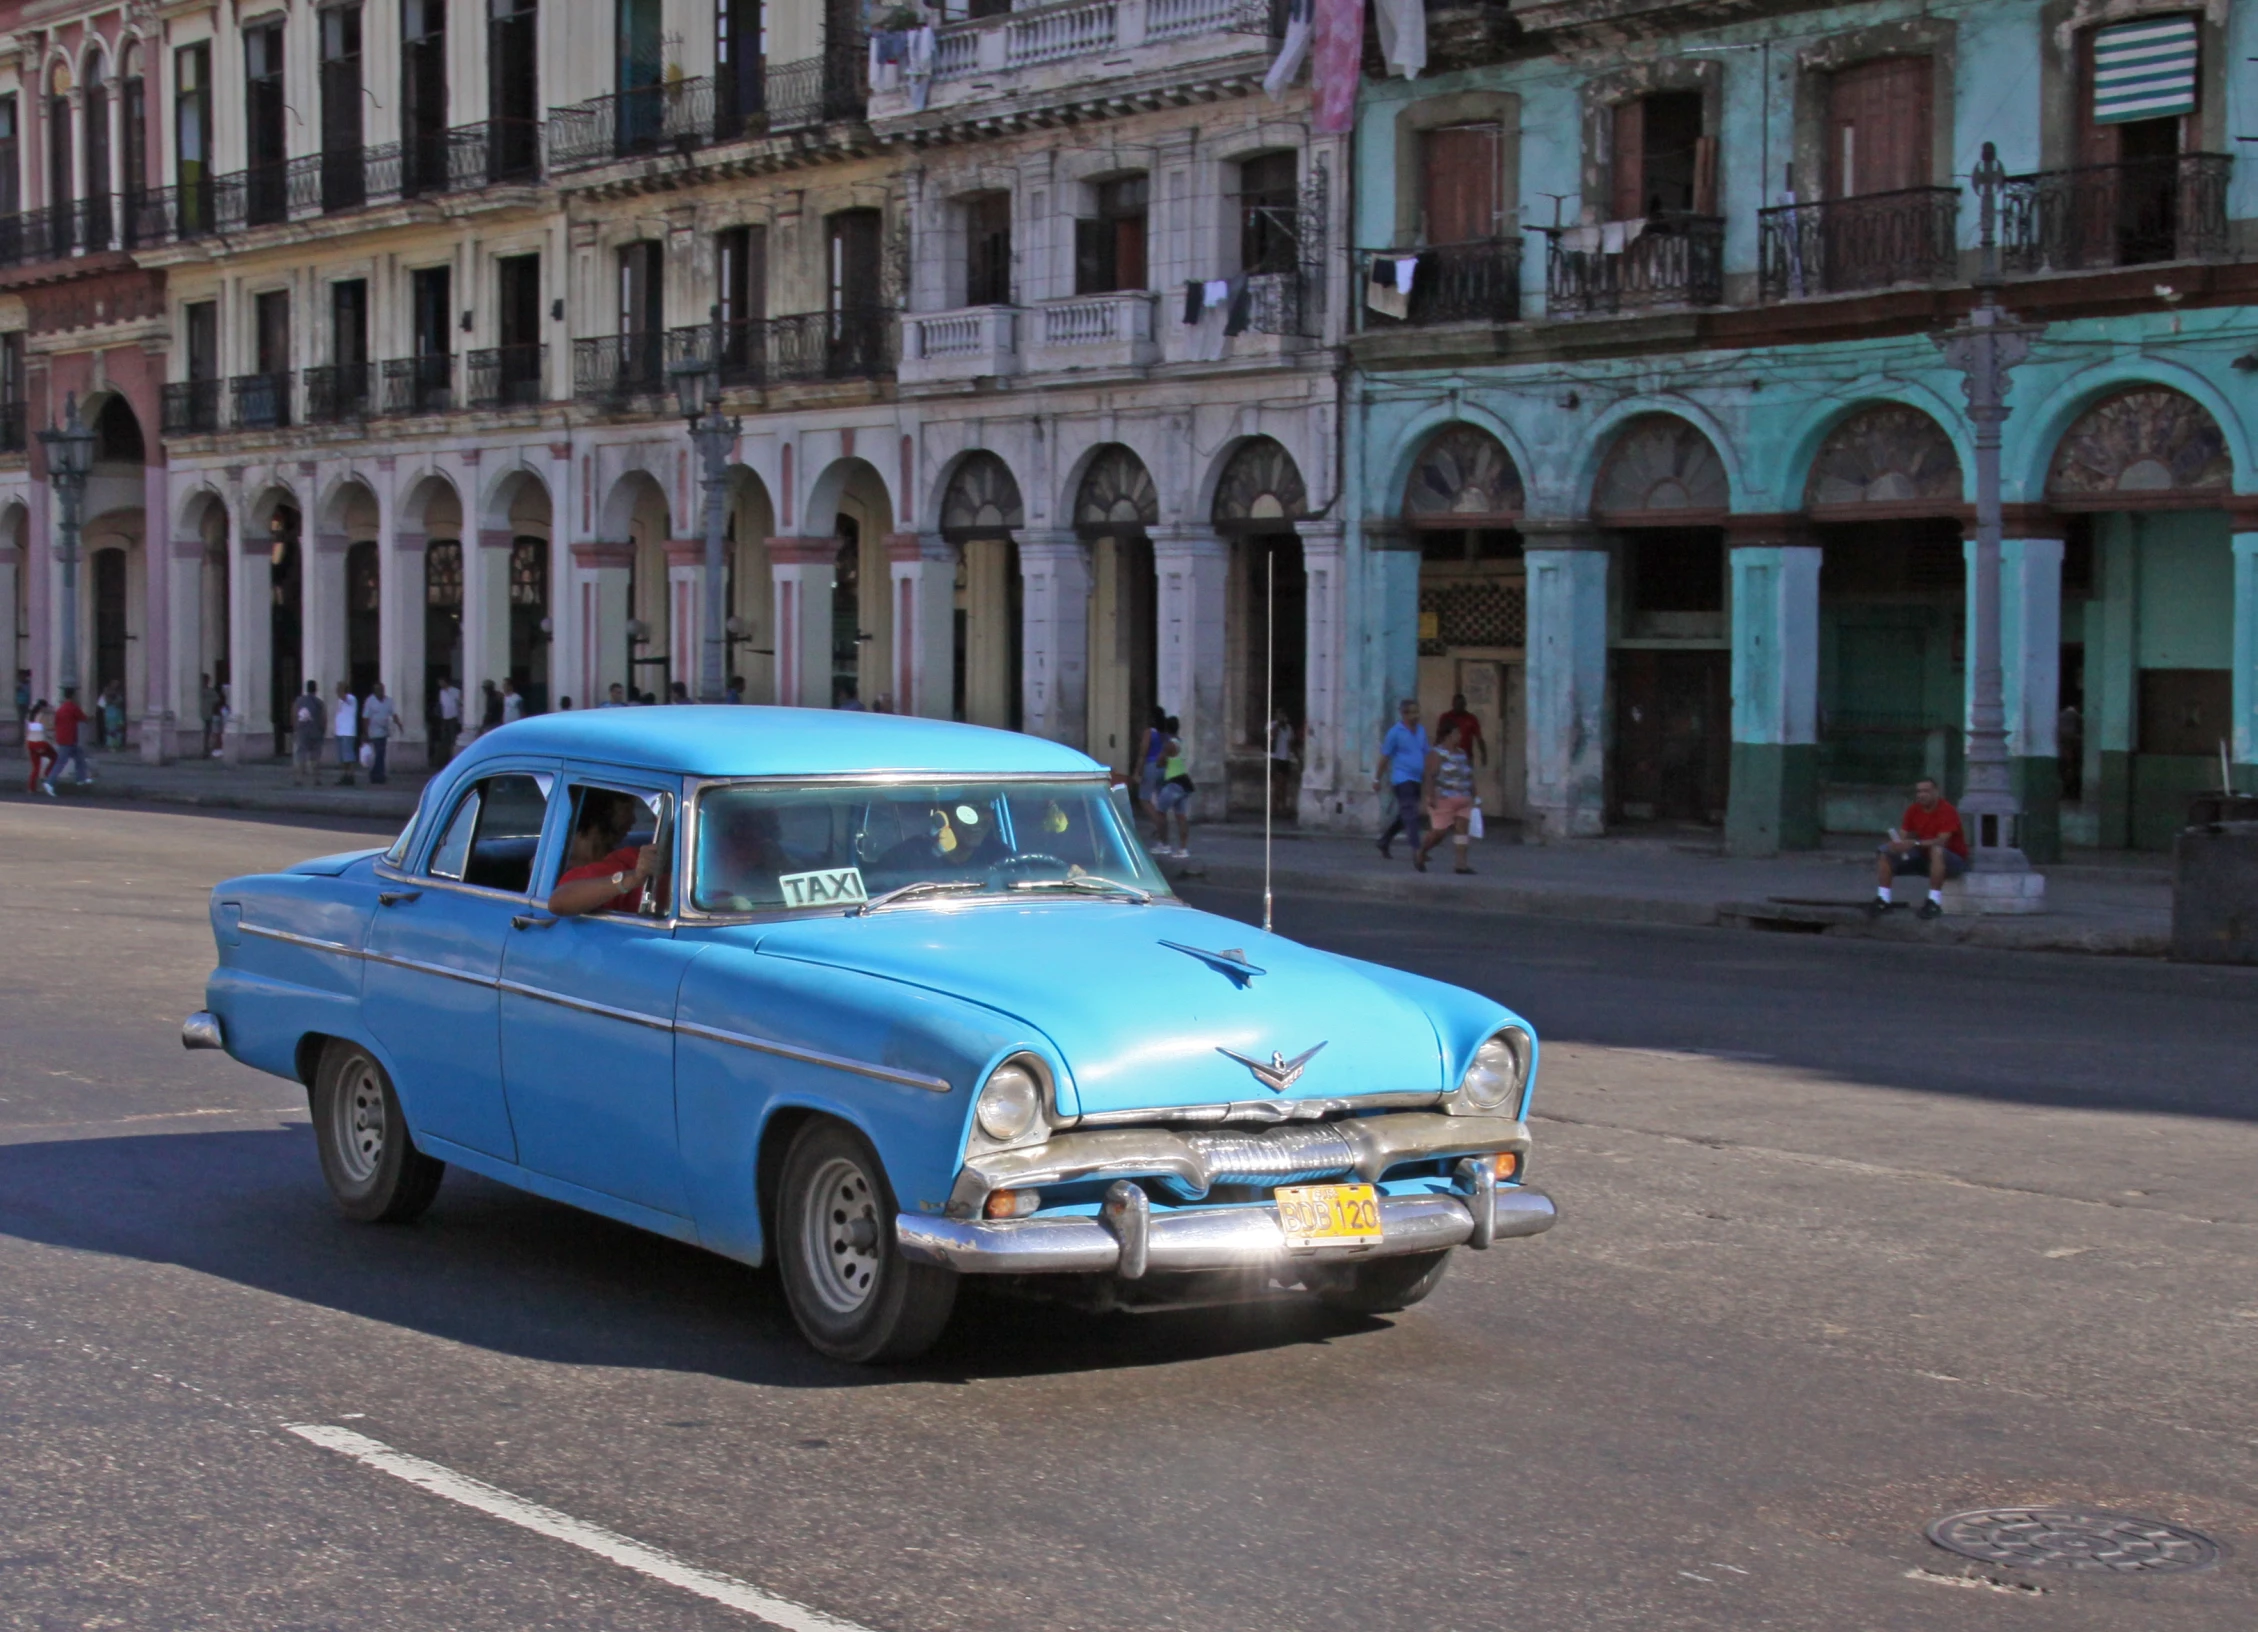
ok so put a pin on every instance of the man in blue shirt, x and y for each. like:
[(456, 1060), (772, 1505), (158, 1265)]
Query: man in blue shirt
[(1403, 761)]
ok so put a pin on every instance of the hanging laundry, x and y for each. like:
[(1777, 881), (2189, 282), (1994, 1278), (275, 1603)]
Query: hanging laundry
[(1336, 64), (1216, 291), (1242, 307), (1291, 50), (1388, 289), (1403, 35), (921, 47)]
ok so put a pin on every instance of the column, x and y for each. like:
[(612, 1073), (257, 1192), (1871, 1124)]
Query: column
[(922, 573), (164, 704), (2112, 676), (2244, 745), (323, 609), (2030, 664), (250, 655), (1774, 799), (1385, 634), (802, 570), (1054, 603), (401, 654), (11, 587), (686, 610), (187, 660), (564, 676), (1567, 677), (486, 618), (595, 614), (1192, 568), (1324, 560)]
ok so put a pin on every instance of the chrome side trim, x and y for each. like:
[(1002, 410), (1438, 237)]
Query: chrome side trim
[(811, 1056), (1259, 1110), (541, 994), (202, 1030), (315, 942)]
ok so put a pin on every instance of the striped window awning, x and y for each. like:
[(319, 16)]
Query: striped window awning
[(2144, 70)]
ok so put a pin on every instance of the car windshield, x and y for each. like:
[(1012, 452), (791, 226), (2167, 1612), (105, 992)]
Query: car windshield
[(765, 847)]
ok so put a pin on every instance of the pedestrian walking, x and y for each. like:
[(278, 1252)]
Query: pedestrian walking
[(208, 711), (1176, 790), (38, 749), (513, 703), (615, 696), (449, 702), (1447, 790), (1459, 717), (1283, 741), (112, 705), (1403, 763), (345, 727), (1152, 748), (219, 720), (377, 715), (489, 706), (70, 751), (308, 719)]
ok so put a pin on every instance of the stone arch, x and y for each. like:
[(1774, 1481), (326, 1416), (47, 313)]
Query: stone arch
[(1258, 484), (517, 500), (638, 495), (2035, 431), (266, 506), (1884, 459), (94, 59), (349, 507), (431, 504), (981, 495), (850, 505), (1115, 489), (2141, 446), (1661, 467), (1463, 477), (850, 481)]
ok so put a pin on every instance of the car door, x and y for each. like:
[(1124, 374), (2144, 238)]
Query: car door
[(587, 1008), (431, 995)]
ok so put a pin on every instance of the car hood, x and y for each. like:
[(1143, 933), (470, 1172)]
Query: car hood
[(1138, 1022)]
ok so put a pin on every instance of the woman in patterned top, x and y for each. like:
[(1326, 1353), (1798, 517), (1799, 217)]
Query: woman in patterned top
[(1449, 796)]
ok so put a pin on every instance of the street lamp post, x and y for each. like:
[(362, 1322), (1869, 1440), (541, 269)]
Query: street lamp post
[(1986, 349), (70, 456), (697, 390)]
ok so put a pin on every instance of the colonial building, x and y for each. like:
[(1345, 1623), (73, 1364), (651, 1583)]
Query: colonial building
[(1654, 452), (1030, 324)]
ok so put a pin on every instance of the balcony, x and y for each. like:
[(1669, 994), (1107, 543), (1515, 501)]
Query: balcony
[(614, 369), (418, 385), (340, 393), (191, 407), (687, 114), (1112, 330), (971, 343), (507, 376), (1663, 263), (625, 371), (262, 401), (2135, 213), (1846, 245), (1475, 282)]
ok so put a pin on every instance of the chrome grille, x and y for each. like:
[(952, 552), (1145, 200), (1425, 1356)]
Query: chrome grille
[(1275, 1156)]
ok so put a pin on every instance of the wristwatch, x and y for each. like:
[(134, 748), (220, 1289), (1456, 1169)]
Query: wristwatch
[(619, 881)]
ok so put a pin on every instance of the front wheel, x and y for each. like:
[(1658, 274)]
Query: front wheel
[(1381, 1286), (373, 1167), (854, 1295)]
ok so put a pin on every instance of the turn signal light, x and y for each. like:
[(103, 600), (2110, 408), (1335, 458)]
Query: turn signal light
[(1013, 1203), (1508, 1165)]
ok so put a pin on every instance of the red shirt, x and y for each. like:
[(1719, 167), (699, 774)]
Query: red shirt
[(1917, 823), (619, 861), (1451, 721), (67, 721)]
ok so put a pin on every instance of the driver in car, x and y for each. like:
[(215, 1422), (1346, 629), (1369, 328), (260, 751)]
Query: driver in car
[(960, 838), (743, 853), (602, 872)]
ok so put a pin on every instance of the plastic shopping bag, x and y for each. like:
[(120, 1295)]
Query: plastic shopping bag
[(1474, 823), (368, 756)]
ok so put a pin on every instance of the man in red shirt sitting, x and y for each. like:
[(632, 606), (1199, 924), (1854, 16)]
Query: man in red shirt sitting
[(1927, 839)]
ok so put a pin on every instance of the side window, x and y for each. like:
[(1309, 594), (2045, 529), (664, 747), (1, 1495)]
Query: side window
[(609, 826), (491, 838)]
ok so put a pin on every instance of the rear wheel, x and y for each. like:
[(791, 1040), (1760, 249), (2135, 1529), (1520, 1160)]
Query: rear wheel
[(373, 1167), (852, 1292), (1381, 1286)]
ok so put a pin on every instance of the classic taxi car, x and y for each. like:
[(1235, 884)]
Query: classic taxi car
[(892, 1000)]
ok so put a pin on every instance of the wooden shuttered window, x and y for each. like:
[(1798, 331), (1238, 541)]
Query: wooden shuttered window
[(1460, 184), (1878, 123), (1664, 163)]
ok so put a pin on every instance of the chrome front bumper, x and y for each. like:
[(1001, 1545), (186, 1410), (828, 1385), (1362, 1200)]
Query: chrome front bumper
[(1208, 1238)]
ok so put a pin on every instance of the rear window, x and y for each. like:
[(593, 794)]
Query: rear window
[(491, 837)]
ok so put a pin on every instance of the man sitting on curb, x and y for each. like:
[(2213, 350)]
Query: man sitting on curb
[(1927, 839)]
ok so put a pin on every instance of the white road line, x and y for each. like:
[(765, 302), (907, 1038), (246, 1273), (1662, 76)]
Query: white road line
[(547, 1521)]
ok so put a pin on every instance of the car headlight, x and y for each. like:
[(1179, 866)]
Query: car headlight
[(1011, 1101), (1501, 1065)]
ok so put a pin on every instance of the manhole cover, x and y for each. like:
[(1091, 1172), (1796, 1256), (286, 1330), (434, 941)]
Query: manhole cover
[(2073, 1538)]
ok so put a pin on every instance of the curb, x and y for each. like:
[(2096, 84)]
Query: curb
[(121, 793)]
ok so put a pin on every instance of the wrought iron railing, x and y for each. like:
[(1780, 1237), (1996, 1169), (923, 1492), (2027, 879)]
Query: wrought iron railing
[(1664, 261), (507, 376), (1475, 282), (338, 393), (2133, 213), (857, 343), (614, 368), (646, 119), (190, 407), (1837, 245), (818, 89), (418, 385), (12, 427), (743, 349), (262, 401)]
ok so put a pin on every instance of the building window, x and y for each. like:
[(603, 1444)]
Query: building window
[(513, 88), (265, 110), (201, 318), (987, 249), (1109, 248), (1878, 127), (1461, 176), (739, 54), (133, 128), (423, 95), (59, 148), (12, 388), (854, 260), (1664, 165), (192, 135), (11, 158), (1269, 229)]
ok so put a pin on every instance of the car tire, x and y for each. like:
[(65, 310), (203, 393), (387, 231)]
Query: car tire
[(371, 1162), (1381, 1286), (854, 1295)]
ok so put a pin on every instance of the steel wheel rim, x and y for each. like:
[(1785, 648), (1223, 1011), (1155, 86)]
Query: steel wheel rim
[(359, 1123), (842, 1261)]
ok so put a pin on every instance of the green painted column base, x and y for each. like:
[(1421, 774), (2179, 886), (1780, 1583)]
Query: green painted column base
[(2038, 788), (1774, 801)]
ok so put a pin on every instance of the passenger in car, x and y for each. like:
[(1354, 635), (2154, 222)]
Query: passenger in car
[(743, 855), (602, 873)]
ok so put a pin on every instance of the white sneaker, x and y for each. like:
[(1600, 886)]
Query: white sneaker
[(47, 787)]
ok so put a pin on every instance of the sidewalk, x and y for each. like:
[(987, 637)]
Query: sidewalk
[(213, 784), (2116, 903)]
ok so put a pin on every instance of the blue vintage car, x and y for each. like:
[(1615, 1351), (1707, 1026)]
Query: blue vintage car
[(894, 1000)]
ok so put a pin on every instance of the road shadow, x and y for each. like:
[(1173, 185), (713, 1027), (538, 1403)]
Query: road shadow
[(498, 1269)]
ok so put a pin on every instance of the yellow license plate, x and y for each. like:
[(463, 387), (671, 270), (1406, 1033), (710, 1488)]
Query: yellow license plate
[(1329, 1215)]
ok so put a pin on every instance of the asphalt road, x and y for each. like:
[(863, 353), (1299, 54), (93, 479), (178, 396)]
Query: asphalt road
[(1855, 1235)]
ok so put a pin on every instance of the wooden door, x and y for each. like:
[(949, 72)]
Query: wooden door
[(1459, 184), (1878, 119), (1629, 175)]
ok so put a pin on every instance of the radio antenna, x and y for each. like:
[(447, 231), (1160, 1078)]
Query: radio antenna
[(1269, 716)]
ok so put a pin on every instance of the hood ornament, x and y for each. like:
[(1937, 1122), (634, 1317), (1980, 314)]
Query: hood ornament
[(1281, 1073), (1231, 962)]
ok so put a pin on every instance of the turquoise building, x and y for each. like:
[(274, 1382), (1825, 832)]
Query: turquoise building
[(1652, 453)]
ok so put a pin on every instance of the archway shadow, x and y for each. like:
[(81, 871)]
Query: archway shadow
[(497, 1269)]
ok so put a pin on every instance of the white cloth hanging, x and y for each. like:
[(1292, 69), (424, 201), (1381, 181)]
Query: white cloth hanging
[(1403, 35)]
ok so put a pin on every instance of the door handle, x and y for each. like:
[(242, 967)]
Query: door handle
[(527, 920), (392, 898)]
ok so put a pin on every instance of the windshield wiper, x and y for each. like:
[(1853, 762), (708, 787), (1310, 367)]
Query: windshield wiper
[(923, 886), (1088, 885)]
